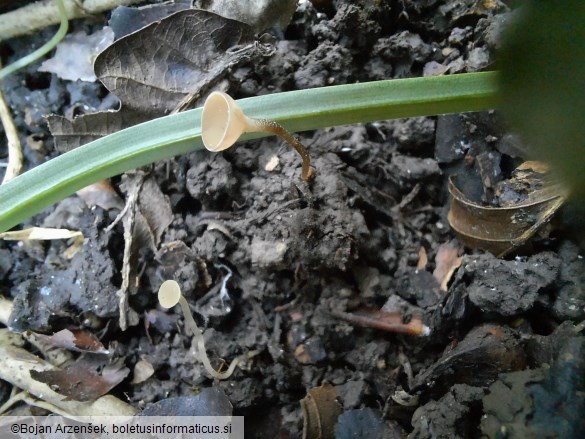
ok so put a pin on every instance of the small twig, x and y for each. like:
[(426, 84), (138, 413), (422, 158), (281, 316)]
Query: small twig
[(39, 15), (203, 216), (386, 321), (120, 216), (286, 306), (15, 397), (14, 147), (128, 229), (410, 196)]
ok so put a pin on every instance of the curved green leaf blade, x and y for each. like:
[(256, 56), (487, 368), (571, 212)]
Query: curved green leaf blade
[(180, 133)]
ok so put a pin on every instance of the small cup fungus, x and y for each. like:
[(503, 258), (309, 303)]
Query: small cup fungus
[(223, 122), (169, 294)]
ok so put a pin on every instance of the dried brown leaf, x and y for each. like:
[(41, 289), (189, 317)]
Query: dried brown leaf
[(69, 134), (125, 20), (85, 380), (101, 194), (502, 229), (155, 208), (78, 340), (448, 260), (320, 412), (159, 65), (169, 62)]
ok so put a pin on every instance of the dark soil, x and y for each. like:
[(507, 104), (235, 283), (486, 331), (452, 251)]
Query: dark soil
[(303, 254)]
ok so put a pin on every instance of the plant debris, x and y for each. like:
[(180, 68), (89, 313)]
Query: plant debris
[(386, 321), (259, 14), (448, 260), (85, 380), (197, 44), (78, 340), (320, 412), (44, 233), (76, 53), (201, 47), (527, 202), (101, 194)]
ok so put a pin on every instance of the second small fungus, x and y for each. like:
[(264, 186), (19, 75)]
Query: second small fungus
[(169, 294)]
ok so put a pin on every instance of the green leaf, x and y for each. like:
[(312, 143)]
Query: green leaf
[(180, 133), (543, 84)]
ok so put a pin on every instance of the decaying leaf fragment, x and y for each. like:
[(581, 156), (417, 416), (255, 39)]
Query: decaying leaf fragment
[(125, 20), (448, 259), (101, 194), (320, 412), (529, 200), (146, 216), (85, 380), (16, 367), (69, 134), (78, 340), (422, 259)]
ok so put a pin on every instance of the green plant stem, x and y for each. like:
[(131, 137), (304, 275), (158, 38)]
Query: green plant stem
[(302, 110), (44, 49)]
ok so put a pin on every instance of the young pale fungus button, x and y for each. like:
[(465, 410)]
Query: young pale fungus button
[(169, 293)]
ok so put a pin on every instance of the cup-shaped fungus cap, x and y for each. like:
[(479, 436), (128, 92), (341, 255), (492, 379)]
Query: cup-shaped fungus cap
[(222, 122), (169, 293)]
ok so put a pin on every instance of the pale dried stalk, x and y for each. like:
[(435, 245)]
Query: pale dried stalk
[(14, 147), (39, 15), (5, 310)]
